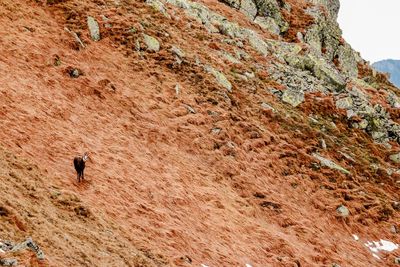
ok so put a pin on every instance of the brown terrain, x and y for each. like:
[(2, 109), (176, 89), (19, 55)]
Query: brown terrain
[(199, 177)]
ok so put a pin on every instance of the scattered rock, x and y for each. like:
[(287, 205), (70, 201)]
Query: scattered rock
[(343, 211), (151, 43), (345, 103), (158, 6), (8, 262), (335, 265), (94, 29), (177, 90), (249, 8), (29, 244), (293, 97), (190, 109), (74, 72), (394, 229), (216, 130), (137, 45), (259, 195), (220, 77), (270, 205), (322, 143), (268, 24), (267, 106), (396, 205), (330, 164), (395, 158), (177, 52), (76, 38), (397, 261)]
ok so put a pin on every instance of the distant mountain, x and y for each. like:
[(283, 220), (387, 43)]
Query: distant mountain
[(390, 66)]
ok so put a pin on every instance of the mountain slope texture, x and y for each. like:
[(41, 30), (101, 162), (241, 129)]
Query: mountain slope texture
[(220, 133), (390, 66)]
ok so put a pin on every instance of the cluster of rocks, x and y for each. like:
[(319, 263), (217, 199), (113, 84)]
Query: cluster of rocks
[(9, 247), (375, 120), (302, 68)]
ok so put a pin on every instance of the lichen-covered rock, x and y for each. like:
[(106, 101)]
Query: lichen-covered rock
[(318, 67), (177, 52), (248, 7), (158, 6), (268, 24), (331, 5), (270, 8), (324, 37), (343, 211), (329, 163), (345, 103), (220, 77), (257, 42), (151, 43), (395, 158), (293, 97), (94, 29)]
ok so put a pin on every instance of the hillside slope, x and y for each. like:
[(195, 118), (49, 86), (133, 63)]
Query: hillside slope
[(215, 148), (390, 66)]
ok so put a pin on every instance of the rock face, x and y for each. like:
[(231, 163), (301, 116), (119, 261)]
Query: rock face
[(94, 29)]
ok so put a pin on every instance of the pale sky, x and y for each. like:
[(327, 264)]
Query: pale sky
[(372, 27)]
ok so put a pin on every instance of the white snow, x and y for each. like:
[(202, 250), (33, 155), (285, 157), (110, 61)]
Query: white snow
[(376, 256), (384, 245), (248, 265), (203, 265), (356, 238)]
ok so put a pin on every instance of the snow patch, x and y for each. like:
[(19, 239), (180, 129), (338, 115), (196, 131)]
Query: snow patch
[(356, 238), (203, 265), (382, 245), (248, 265)]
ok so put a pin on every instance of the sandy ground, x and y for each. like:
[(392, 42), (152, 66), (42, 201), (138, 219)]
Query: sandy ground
[(163, 188)]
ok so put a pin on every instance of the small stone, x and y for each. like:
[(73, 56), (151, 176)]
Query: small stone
[(323, 144), (396, 205), (293, 97), (220, 77), (216, 130), (335, 265), (394, 229), (93, 28), (152, 43), (177, 90), (397, 261), (267, 106), (137, 45), (178, 52), (395, 158), (344, 103), (8, 262), (343, 211), (190, 109)]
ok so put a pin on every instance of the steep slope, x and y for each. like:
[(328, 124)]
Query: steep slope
[(203, 152), (390, 66)]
